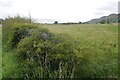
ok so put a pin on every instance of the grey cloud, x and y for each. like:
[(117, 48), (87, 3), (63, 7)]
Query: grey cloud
[(5, 6), (6, 3), (45, 20), (48, 20), (111, 6), (99, 13), (119, 7)]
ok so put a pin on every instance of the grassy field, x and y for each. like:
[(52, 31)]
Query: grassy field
[(0, 52), (99, 42)]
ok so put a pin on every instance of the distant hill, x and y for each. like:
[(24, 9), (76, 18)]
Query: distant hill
[(112, 18)]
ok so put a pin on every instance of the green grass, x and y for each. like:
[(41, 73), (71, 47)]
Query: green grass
[(0, 52), (9, 65), (98, 42)]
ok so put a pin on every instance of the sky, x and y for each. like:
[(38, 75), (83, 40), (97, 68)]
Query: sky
[(48, 11)]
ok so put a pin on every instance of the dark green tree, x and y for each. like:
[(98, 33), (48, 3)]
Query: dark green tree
[(56, 22), (103, 22), (80, 22), (108, 21)]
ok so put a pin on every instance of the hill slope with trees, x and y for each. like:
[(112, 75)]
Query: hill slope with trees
[(112, 18)]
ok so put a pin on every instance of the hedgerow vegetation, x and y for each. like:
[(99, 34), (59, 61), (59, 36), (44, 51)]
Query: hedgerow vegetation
[(36, 52), (0, 53)]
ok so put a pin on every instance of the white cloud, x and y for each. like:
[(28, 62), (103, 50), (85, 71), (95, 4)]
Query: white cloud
[(61, 10)]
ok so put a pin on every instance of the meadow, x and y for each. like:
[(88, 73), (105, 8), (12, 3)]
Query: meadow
[(0, 53), (97, 42)]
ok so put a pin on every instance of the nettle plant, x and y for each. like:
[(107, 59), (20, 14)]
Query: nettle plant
[(46, 55)]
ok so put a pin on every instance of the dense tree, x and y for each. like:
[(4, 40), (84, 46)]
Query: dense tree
[(103, 22), (56, 22), (108, 21), (80, 22)]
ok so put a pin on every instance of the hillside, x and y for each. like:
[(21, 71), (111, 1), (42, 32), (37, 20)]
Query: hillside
[(112, 18)]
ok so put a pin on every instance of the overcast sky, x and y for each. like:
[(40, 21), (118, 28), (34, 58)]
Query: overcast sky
[(60, 10)]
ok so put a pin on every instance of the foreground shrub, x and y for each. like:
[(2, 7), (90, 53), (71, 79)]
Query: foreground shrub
[(9, 22), (18, 32), (45, 55)]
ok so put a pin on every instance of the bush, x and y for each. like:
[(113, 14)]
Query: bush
[(18, 32), (56, 22), (9, 22), (45, 55)]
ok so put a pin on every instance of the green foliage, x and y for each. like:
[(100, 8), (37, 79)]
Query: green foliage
[(10, 67), (0, 53), (56, 22), (10, 22), (18, 32), (103, 22), (80, 22), (53, 56), (97, 45), (43, 54)]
